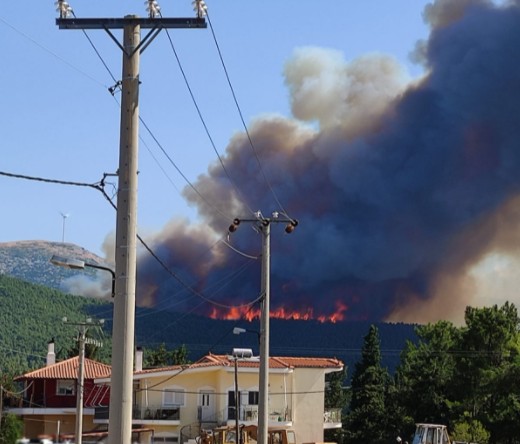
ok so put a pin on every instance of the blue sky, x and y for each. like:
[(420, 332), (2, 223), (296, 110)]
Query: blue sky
[(60, 122)]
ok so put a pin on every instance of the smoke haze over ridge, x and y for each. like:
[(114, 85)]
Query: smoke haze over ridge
[(400, 186)]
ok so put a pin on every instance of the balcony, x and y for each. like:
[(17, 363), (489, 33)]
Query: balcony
[(249, 414), (332, 419), (144, 415)]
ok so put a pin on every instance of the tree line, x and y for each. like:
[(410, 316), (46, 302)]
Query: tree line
[(466, 377)]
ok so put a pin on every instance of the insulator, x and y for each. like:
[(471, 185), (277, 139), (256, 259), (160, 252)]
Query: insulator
[(289, 228), (200, 8), (63, 8), (153, 8), (233, 227)]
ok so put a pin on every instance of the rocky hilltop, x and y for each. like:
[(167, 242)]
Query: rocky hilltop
[(30, 261)]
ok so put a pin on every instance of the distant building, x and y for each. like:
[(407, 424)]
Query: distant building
[(48, 407), (173, 404)]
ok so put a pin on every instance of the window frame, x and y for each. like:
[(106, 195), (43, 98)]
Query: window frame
[(177, 392), (66, 387)]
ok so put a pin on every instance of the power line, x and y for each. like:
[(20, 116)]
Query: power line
[(271, 189), (100, 187), (204, 123), (118, 83), (61, 59)]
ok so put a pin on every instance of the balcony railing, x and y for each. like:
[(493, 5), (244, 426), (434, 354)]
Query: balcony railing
[(152, 413), (250, 413), (332, 416), (160, 413)]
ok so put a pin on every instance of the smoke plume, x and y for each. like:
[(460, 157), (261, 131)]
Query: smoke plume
[(400, 187)]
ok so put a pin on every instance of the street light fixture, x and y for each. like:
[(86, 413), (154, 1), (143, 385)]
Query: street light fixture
[(240, 330), (76, 264)]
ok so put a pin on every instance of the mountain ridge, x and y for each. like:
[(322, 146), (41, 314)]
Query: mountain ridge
[(28, 261)]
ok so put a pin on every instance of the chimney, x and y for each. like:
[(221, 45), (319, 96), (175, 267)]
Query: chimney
[(138, 359), (51, 356)]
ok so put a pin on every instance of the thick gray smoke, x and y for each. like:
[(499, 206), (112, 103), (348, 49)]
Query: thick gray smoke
[(400, 187)]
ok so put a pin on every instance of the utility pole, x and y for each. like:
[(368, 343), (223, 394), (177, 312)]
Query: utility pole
[(237, 415), (82, 339), (263, 226), (120, 413)]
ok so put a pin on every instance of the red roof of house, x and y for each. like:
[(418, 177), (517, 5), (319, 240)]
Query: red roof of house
[(68, 369), (279, 362), (276, 362)]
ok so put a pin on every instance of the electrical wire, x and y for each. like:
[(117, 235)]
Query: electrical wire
[(255, 152), (174, 275), (17, 394), (61, 59), (100, 187), (239, 193), (224, 216)]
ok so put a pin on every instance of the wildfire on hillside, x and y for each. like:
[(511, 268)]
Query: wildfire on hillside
[(246, 313), (401, 186)]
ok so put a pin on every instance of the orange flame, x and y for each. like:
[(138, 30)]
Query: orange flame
[(235, 313)]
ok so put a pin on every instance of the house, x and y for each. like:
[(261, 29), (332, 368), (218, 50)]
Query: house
[(174, 404), (48, 406), (178, 402)]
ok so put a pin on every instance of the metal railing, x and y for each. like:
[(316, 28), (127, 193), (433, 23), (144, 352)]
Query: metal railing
[(152, 413), (332, 416), (160, 413)]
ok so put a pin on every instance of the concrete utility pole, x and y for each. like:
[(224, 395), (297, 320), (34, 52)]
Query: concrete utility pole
[(263, 226), (120, 413), (81, 380), (82, 339)]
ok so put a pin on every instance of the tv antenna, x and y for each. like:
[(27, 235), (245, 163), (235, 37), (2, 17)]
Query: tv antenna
[(64, 216)]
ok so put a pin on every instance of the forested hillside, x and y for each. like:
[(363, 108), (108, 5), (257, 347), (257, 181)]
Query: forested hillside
[(31, 315)]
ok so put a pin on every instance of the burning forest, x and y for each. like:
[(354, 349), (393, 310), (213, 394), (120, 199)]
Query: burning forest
[(400, 185)]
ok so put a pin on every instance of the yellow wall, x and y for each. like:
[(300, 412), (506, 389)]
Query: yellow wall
[(306, 405)]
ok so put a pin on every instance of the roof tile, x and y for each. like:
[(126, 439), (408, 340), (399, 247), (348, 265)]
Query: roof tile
[(68, 369)]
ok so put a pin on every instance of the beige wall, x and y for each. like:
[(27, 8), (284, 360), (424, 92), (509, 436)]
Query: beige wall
[(309, 402), (306, 405)]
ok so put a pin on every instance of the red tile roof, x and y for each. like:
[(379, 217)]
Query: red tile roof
[(68, 369), (279, 362), (212, 360)]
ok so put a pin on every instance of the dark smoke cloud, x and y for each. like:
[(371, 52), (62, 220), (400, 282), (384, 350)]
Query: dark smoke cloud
[(400, 187)]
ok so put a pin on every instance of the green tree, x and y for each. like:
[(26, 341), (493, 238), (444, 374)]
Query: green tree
[(488, 370), (470, 430), (179, 356), (367, 421), (424, 377), (157, 357), (10, 429), (161, 357)]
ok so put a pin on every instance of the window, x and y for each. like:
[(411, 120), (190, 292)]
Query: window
[(204, 399), (173, 396), (253, 398), (166, 439), (65, 387)]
